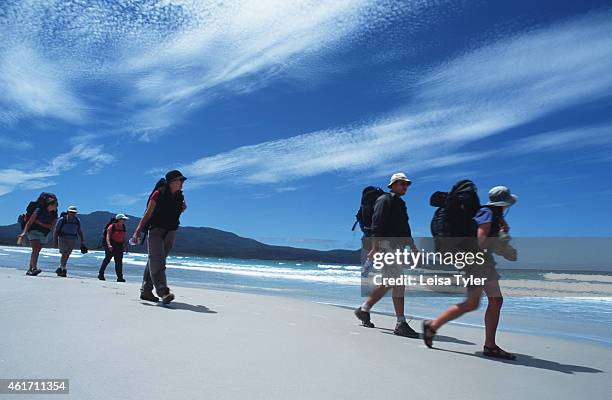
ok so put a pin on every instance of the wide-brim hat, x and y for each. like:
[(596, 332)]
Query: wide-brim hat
[(175, 175), (501, 196), (400, 176)]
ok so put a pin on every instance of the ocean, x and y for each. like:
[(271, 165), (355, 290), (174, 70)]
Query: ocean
[(571, 304)]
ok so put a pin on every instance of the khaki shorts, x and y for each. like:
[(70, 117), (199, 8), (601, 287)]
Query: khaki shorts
[(66, 245), (37, 235)]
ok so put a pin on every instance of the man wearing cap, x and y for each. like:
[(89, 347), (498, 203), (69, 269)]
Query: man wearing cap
[(67, 231), (115, 244), (490, 221), (391, 231), (164, 209)]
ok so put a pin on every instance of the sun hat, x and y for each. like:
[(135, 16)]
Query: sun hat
[(121, 216), (400, 176), (175, 175), (72, 209), (501, 196)]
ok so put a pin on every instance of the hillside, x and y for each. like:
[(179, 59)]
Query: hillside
[(203, 241)]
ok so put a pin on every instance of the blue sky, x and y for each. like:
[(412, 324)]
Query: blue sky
[(281, 112)]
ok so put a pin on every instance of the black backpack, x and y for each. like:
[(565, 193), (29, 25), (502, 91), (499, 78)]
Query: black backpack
[(42, 200), (162, 187), (454, 216), (369, 195)]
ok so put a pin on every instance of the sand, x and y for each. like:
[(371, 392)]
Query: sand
[(227, 345)]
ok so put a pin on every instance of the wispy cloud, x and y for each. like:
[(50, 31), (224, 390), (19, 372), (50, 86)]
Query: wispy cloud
[(167, 58), (482, 93), (33, 86), (14, 144), (93, 156)]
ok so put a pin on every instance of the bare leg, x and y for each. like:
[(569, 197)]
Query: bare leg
[(36, 247), (471, 303), (398, 300), (376, 295), (64, 259), (496, 300)]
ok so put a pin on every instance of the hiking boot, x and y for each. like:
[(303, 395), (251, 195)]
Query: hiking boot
[(101, 277), (149, 296), (167, 298), (364, 317), (120, 280), (403, 329)]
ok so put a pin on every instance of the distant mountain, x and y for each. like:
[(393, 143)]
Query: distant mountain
[(202, 242)]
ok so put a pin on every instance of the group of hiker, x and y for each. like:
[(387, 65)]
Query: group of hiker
[(460, 223), (383, 218), (159, 225)]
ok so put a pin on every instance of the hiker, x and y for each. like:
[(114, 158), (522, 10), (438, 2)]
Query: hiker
[(67, 231), (490, 222), (36, 223), (161, 220), (390, 225), (115, 244)]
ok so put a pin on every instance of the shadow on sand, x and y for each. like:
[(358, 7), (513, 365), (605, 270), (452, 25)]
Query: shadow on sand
[(177, 305), (530, 361), (439, 338)]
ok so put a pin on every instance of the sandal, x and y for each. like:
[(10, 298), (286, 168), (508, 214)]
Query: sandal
[(428, 333), (497, 352)]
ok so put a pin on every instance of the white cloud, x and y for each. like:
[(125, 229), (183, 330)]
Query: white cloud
[(479, 94), (94, 155), (33, 86), (14, 144), (166, 58)]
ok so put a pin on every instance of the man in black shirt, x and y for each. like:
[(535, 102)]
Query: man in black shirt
[(391, 231)]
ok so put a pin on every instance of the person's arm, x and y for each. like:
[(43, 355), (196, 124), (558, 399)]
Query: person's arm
[(56, 232), (503, 225), (108, 237), (29, 224), (483, 234), (377, 222), (145, 218), (80, 232)]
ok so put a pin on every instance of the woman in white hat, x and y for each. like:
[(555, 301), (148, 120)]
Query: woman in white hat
[(115, 244)]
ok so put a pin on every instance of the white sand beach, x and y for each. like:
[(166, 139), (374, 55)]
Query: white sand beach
[(227, 345)]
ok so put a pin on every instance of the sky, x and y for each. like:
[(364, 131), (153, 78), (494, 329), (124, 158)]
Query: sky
[(279, 113)]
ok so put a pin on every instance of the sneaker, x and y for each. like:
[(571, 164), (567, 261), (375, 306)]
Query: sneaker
[(119, 280), (403, 329), (167, 298), (61, 272), (148, 296), (34, 272), (30, 272), (364, 317), (101, 277)]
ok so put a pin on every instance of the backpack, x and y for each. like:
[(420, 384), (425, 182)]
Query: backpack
[(64, 220), (103, 238), (454, 216), (369, 195), (162, 187), (40, 202)]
